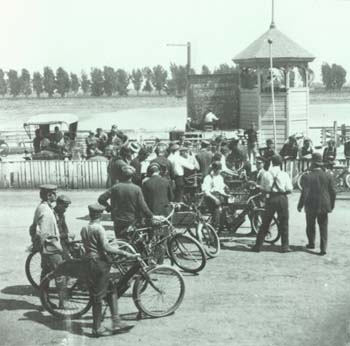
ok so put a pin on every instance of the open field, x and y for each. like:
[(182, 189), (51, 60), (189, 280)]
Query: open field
[(240, 299)]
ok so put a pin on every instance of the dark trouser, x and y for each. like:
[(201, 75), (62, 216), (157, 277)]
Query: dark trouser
[(216, 212), (179, 188), (98, 270), (120, 226), (49, 263), (275, 204), (322, 220)]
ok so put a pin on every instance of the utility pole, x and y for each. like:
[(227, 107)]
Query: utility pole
[(272, 95), (188, 70)]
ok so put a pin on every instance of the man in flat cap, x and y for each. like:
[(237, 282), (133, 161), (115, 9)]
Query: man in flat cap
[(318, 199), (166, 167), (96, 247), (204, 158), (137, 164), (44, 230), (117, 163), (276, 185), (157, 191), (127, 203), (62, 203)]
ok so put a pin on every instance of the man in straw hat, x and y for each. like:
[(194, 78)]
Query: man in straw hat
[(318, 199)]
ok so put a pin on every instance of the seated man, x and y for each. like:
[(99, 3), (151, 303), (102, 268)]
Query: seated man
[(214, 189), (329, 154), (211, 119)]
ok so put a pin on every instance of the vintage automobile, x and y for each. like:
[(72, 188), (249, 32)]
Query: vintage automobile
[(53, 145)]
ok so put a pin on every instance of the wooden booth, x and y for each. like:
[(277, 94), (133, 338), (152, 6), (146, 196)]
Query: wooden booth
[(291, 79)]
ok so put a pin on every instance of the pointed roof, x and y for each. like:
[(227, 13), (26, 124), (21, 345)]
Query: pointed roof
[(284, 50)]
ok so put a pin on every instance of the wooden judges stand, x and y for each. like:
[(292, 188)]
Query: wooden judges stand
[(291, 90)]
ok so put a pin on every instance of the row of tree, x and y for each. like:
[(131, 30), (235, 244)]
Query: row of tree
[(107, 81), (333, 77)]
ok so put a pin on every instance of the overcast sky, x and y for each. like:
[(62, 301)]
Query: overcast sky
[(79, 34)]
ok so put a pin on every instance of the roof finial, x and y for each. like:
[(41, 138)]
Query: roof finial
[(272, 25)]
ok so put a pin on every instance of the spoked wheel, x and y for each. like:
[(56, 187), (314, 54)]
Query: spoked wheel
[(347, 180), (64, 296), (208, 238), (187, 253), (273, 234), (300, 179), (4, 149), (33, 269), (159, 292)]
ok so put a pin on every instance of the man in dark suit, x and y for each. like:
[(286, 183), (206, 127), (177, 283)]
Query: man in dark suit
[(157, 191), (318, 198), (204, 158)]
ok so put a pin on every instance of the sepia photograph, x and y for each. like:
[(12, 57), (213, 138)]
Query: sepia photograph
[(174, 173)]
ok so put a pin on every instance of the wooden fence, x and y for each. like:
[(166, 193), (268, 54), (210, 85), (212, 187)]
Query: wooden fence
[(64, 174)]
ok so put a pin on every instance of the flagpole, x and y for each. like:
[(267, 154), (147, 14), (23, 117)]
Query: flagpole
[(272, 95)]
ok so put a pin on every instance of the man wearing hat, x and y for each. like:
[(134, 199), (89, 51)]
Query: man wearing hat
[(116, 164), (166, 167), (267, 153), (276, 185), (127, 203), (157, 191), (98, 267), (91, 145), (137, 164), (102, 139), (115, 133), (44, 230), (252, 141), (318, 199), (62, 203), (204, 158), (329, 154)]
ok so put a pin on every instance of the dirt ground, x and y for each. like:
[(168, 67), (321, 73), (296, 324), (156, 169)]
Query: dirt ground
[(240, 298)]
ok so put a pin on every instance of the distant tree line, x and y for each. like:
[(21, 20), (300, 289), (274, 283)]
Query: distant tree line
[(99, 82), (333, 77)]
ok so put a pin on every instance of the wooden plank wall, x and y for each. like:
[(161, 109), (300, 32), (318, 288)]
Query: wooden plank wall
[(298, 110), (248, 108), (64, 174)]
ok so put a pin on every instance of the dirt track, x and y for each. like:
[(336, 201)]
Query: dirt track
[(241, 298)]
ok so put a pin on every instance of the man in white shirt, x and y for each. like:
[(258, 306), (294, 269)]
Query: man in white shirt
[(211, 119), (214, 189), (276, 185), (179, 160)]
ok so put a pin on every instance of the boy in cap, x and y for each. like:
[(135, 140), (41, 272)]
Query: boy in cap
[(98, 266), (44, 230), (62, 203), (318, 199)]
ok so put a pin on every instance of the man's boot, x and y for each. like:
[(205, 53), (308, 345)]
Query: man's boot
[(97, 329), (118, 326)]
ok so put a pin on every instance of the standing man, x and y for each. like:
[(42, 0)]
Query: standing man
[(98, 267), (116, 164), (62, 203), (44, 230), (157, 191), (166, 167), (127, 203), (137, 164), (267, 153), (252, 142), (276, 185), (318, 199), (204, 158)]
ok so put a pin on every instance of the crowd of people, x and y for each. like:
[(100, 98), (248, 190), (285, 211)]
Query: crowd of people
[(143, 182)]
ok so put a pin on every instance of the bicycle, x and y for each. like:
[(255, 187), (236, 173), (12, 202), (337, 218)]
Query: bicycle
[(154, 242), (199, 227), (157, 291), (4, 148), (75, 248)]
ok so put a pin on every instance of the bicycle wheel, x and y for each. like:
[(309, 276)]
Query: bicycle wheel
[(208, 238), (33, 269), (273, 234), (300, 179), (159, 292), (64, 296), (187, 253), (347, 180), (4, 149)]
